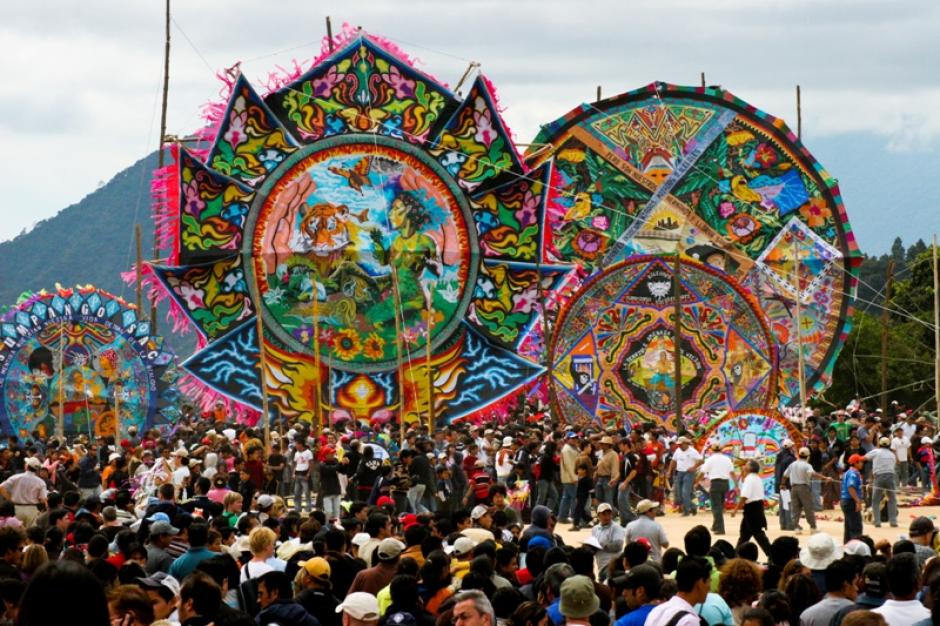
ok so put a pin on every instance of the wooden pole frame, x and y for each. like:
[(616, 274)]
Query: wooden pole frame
[(398, 355), (677, 338), (60, 417), (798, 322), (936, 326), (263, 361), (884, 338)]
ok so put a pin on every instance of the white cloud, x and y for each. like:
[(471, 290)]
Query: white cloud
[(80, 96)]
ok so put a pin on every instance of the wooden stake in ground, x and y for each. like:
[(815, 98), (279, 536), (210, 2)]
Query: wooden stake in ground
[(138, 268), (884, 339)]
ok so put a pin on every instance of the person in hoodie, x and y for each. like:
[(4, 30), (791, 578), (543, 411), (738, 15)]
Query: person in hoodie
[(277, 603), (368, 470), (540, 527), (330, 490)]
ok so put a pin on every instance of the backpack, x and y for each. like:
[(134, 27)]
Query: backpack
[(680, 614), (248, 594)]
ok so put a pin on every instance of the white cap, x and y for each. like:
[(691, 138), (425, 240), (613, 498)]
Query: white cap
[(360, 605), (507, 441), (787, 443), (34, 463), (926, 440), (478, 512), (114, 456), (604, 507), (360, 539), (463, 545)]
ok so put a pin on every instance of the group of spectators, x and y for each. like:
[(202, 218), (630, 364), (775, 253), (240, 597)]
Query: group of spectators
[(355, 526)]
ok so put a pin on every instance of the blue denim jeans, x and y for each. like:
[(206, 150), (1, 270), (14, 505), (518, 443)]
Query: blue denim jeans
[(603, 492), (569, 493), (548, 493), (683, 487), (623, 504), (882, 486)]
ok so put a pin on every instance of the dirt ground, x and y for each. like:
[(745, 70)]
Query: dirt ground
[(827, 521)]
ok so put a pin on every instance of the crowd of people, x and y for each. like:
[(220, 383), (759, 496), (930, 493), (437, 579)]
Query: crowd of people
[(214, 523)]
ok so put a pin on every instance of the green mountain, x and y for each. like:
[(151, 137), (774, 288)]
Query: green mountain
[(89, 242)]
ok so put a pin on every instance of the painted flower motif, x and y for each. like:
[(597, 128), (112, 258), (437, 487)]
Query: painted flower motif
[(571, 155), (815, 213), (374, 346), (743, 227), (600, 222), (194, 204), (348, 345), (327, 336), (765, 155), (525, 301), (324, 85), (450, 293), (529, 211), (235, 135), (435, 315), (194, 298), (404, 88), (274, 295), (411, 335), (485, 134), (725, 209), (589, 244)]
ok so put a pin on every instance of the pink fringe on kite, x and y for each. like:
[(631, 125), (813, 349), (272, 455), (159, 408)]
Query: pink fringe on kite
[(206, 398), (157, 292), (165, 208)]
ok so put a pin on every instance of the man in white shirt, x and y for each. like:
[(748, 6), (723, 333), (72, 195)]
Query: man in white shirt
[(909, 425), (883, 465), (26, 490), (718, 469), (901, 446), (693, 578), (181, 472), (302, 460), (685, 460), (904, 582), (752, 501)]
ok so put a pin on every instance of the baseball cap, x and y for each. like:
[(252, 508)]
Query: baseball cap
[(463, 546), (385, 501), (804, 451), (163, 528), (644, 576), (159, 517), (604, 507), (265, 501), (884, 442), (787, 443), (645, 506), (507, 441), (856, 458), (317, 568), (921, 526), (875, 579), (578, 598), (161, 579), (34, 463), (926, 441), (114, 456), (360, 605), (478, 512), (389, 549), (360, 539), (539, 541)]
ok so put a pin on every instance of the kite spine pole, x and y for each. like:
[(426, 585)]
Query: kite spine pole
[(936, 327), (398, 345), (163, 107), (430, 374), (318, 390), (263, 363), (677, 338), (799, 325), (884, 339), (60, 418)]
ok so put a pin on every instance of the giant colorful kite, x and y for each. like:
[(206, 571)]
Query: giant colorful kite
[(409, 264), (392, 232), (84, 354), (768, 260)]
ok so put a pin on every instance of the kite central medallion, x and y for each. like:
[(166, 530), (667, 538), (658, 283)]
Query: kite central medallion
[(352, 232)]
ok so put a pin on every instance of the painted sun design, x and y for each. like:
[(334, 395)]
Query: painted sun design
[(390, 228)]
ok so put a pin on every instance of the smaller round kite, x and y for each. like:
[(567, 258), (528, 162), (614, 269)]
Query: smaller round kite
[(84, 357)]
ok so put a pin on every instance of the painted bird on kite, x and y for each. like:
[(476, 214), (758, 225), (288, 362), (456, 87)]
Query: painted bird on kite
[(357, 176)]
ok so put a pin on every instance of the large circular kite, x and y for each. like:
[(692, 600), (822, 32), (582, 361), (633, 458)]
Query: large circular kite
[(669, 169), (82, 355), (613, 352), (390, 228)]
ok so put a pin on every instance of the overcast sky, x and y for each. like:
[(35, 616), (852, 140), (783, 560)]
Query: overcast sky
[(79, 99)]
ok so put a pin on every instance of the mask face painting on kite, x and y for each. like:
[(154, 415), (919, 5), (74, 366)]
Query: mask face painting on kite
[(670, 251)]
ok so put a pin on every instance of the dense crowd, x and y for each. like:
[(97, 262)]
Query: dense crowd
[(371, 526)]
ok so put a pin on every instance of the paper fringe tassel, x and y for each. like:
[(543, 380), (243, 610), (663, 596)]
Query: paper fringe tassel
[(206, 398), (157, 292), (165, 207)]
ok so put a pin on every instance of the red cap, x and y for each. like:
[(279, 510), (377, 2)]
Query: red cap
[(643, 541), (856, 458), (385, 501), (408, 520)]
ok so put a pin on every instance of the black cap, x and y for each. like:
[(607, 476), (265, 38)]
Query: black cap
[(921, 526), (645, 576)]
